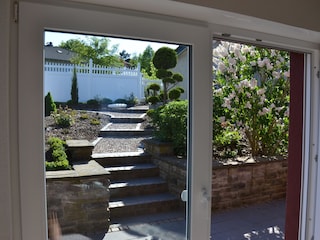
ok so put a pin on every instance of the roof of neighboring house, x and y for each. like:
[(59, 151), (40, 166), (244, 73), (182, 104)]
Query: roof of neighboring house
[(58, 53)]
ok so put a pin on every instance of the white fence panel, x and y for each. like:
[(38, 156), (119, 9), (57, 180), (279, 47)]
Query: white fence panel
[(93, 82)]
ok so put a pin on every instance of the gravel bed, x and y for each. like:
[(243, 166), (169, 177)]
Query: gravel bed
[(118, 144)]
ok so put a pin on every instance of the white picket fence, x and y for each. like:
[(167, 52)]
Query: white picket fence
[(94, 81)]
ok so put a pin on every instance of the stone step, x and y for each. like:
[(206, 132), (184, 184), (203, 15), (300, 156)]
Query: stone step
[(146, 204), (137, 187), (119, 159), (132, 171), (125, 132), (126, 119), (135, 110)]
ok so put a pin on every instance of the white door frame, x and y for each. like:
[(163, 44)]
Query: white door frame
[(34, 19)]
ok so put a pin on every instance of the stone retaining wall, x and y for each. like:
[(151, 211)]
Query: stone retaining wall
[(232, 185), (80, 197)]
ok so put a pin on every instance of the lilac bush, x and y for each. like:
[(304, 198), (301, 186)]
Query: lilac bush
[(251, 96)]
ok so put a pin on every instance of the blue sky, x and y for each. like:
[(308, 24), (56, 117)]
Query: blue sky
[(131, 46)]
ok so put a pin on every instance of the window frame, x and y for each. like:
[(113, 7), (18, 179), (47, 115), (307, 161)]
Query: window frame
[(34, 17)]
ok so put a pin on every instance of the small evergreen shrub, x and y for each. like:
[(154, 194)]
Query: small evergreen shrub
[(170, 122), (58, 159), (50, 106)]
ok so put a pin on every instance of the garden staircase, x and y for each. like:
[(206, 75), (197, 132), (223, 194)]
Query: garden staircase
[(136, 187)]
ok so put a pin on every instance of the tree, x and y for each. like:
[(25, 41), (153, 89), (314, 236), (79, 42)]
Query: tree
[(251, 95), (74, 88), (145, 60), (93, 48), (164, 59)]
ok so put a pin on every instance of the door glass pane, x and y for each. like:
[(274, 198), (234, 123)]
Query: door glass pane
[(251, 88), (116, 123)]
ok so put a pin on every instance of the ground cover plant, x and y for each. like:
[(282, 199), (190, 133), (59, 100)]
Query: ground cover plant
[(251, 98)]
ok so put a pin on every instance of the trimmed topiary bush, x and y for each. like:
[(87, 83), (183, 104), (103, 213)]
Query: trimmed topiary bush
[(164, 59)]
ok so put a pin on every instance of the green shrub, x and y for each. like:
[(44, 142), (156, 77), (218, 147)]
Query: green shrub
[(170, 122), (131, 100), (50, 106), (93, 102), (120, 100), (58, 159), (106, 101), (94, 121), (84, 116), (64, 117)]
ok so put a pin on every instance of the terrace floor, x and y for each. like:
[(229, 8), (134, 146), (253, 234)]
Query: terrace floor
[(260, 221)]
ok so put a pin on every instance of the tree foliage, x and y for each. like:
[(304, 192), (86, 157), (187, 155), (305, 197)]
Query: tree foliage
[(145, 60), (94, 48), (251, 95)]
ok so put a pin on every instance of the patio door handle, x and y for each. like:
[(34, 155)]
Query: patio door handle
[(184, 195)]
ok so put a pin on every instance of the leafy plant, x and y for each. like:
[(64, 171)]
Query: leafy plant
[(170, 122), (50, 106), (228, 142), (64, 117), (58, 159)]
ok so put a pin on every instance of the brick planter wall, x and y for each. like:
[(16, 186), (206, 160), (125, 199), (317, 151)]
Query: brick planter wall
[(80, 197), (243, 184), (232, 185)]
